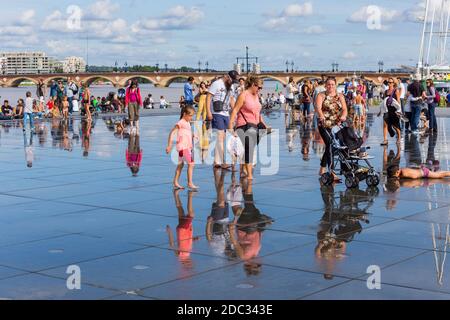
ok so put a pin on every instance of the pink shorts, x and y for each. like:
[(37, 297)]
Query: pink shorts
[(186, 155)]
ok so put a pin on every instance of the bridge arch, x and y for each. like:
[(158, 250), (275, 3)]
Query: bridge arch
[(171, 80), (17, 81), (124, 82), (269, 77), (48, 81), (90, 80)]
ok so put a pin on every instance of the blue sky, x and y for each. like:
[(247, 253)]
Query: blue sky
[(312, 33)]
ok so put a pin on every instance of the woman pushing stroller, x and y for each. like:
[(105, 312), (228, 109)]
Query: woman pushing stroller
[(331, 109)]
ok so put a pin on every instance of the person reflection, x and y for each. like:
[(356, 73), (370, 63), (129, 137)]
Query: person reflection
[(185, 230), (216, 226), (86, 130), (413, 155), (29, 152), (134, 152), (432, 162), (339, 225), (391, 158), (247, 230), (306, 137)]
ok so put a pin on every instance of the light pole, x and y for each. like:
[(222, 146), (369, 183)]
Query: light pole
[(292, 66), (126, 66), (157, 67), (380, 66), (116, 66), (199, 66), (287, 66), (337, 67), (165, 65), (207, 66)]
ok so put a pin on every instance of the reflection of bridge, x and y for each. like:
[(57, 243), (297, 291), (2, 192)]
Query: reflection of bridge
[(162, 79)]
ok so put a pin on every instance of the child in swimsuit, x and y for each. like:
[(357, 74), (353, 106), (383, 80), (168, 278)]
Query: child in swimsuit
[(422, 173)]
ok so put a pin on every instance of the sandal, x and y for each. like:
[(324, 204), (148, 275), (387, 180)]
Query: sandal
[(384, 143)]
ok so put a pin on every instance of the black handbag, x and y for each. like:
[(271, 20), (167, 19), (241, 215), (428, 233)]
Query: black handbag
[(218, 106)]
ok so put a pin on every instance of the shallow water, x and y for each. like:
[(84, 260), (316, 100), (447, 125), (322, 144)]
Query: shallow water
[(80, 202)]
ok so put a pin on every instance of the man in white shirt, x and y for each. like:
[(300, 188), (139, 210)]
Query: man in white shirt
[(28, 113), (219, 102)]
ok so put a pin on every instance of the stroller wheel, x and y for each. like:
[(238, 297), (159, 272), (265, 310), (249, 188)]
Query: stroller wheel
[(373, 192), (351, 182), (373, 180), (327, 179)]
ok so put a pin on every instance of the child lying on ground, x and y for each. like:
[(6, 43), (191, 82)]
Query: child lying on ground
[(421, 173)]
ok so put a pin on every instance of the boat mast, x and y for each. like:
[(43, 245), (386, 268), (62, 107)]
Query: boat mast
[(422, 42)]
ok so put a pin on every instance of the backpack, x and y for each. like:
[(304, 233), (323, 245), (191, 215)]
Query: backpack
[(75, 89)]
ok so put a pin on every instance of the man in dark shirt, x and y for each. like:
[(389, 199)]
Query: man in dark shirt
[(7, 110), (416, 90)]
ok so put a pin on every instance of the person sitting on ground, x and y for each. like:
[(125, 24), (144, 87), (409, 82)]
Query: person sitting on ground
[(36, 113), (423, 172), (18, 110), (163, 103), (7, 110)]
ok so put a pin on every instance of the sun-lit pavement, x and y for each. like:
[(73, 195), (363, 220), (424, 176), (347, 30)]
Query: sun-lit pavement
[(79, 205)]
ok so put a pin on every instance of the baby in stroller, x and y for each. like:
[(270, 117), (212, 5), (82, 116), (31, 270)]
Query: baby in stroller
[(349, 159)]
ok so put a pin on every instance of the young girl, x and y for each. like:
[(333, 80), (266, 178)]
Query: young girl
[(65, 107), (360, 108), (184, 148)]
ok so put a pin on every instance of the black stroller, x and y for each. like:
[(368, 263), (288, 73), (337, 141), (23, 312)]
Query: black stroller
[(349, 159)]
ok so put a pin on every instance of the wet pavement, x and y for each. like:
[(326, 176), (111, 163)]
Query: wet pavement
[(68, 198)]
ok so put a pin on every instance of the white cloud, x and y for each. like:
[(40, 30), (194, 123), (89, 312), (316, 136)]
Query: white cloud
[(306, 54), (349, 55), (275, 23), (16, 31), (298, 10), (417, 13), (364, 14), (177, 18), (55, 22), (26, 19), (315, 29), (102, 9), (285, 21)]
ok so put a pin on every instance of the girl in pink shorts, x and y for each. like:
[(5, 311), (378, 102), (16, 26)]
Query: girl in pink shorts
[(184, 148)]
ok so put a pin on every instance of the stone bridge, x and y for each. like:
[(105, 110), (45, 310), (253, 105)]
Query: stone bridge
[(164, 79)]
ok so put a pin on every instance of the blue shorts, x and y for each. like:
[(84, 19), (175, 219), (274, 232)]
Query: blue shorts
[(220, 122), (358, 109)]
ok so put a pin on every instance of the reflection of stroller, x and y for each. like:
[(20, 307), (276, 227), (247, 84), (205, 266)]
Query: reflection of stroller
[(343, 220), (349, 159)]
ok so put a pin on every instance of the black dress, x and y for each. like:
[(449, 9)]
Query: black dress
[(391, 118)]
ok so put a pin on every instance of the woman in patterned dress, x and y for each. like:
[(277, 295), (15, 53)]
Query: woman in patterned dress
[(331, 110)]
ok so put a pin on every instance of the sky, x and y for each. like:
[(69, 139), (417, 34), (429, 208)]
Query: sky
[(311, 33)]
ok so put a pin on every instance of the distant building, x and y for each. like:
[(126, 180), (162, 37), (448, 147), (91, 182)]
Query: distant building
[(237, 68), (256, 68), (74, 65), (25, 63)]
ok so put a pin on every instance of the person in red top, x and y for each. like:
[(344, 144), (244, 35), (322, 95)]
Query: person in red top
[(133, 100), (185, 230), (134, 153)]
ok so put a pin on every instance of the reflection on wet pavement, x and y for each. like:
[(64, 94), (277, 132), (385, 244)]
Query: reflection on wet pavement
[(99, 195)]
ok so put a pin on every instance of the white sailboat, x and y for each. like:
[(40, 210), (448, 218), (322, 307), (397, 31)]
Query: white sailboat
[(433, 59)]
